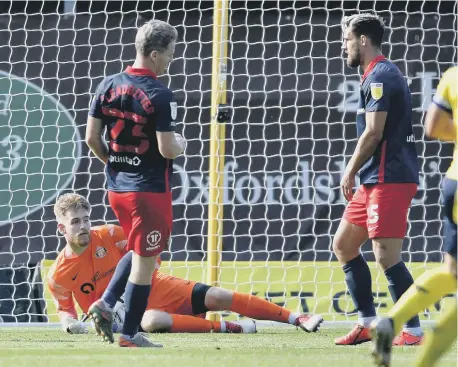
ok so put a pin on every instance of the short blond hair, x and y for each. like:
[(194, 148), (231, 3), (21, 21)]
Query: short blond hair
[(154, 35), (70, 201)]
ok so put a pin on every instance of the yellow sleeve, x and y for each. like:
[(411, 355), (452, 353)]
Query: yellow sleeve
[(442, 97)]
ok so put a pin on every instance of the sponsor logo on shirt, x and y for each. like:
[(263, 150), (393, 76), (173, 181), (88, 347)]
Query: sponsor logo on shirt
[(87, 288), (122, 159)]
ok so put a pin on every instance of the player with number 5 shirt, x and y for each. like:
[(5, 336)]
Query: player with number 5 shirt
[(139, 114), (386, 160)]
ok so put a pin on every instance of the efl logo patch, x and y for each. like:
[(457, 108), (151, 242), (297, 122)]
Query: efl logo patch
[(100, 252), (173, 110), (377, 90), (153, 239)]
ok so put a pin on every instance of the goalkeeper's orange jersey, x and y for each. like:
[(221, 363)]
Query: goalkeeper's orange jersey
[(85, 277), (446, 98)]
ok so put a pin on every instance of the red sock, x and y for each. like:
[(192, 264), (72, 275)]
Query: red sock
[(258, 308), (192, 324)]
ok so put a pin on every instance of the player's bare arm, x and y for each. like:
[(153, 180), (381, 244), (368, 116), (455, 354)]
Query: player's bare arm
[(170, 144), (367, 143), (439, 124), (94, 138)]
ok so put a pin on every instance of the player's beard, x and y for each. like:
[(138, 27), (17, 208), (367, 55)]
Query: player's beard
[(354, 62), (81, 240)]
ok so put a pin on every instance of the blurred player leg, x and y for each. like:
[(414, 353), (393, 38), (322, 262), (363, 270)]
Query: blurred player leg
[(429, 288), (350, 236), (438, 339)]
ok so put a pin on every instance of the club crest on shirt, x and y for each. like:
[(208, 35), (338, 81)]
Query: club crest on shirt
[(173, 110), (100, 252), (377, 90)]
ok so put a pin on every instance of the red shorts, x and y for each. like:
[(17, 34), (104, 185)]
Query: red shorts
[(146, 218), (172, 295), (381, 208)]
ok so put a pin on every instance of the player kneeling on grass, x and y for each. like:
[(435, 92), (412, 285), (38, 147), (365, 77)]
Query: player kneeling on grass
[(83, 269)]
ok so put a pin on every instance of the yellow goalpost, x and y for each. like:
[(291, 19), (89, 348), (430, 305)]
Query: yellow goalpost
[(217, 142)]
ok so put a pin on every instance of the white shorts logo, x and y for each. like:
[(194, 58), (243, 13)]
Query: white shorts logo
[(153, 239), (173, 110)]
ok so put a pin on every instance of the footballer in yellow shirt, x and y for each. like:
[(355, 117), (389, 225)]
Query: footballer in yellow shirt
[(441, 123)]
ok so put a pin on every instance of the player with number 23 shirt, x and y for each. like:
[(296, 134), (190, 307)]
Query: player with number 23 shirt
[(139, 114)]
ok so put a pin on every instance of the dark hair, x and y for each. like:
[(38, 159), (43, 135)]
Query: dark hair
[(154, 35), (369, 25)]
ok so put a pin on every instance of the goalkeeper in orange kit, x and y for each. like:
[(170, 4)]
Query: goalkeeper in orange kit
[(83, 269)]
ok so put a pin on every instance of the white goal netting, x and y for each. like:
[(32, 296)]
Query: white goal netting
[(294, 102)]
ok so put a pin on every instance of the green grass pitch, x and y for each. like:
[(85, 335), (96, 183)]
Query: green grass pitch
[(277, 347)]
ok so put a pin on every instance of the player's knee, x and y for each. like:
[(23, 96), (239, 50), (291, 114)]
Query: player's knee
[(347, 241), (142, 269), (156, 322), (386, 262), (343, 251), (337, 246), (218, 299), (387, 252)]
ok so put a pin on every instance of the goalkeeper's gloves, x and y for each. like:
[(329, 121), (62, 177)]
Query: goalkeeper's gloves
[(72, 326)]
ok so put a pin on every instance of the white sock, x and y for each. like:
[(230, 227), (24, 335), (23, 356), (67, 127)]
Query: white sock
[(417, 331), (127, 336), (223, 326), (292, 317), (366, 321)]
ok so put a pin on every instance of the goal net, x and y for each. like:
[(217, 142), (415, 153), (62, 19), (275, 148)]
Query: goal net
[(294, 104)]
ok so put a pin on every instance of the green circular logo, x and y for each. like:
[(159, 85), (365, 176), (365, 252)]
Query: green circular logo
[(40, 147)]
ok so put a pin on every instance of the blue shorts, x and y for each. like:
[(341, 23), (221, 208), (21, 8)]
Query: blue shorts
[(450, 202)]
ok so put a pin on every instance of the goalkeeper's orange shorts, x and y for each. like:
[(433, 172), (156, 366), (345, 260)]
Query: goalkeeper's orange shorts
[(172, 295), (381, 208)]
